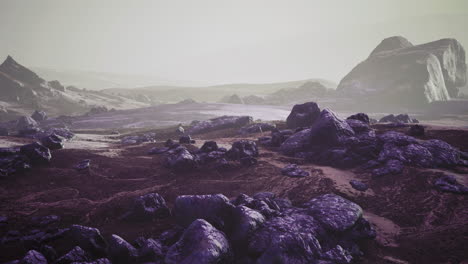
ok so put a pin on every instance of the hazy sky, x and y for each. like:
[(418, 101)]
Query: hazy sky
[(218, 41)]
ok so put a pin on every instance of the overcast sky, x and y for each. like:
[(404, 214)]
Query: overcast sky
[(218, 41)]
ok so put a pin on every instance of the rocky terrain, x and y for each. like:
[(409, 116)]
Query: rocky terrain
[(311, 188), (23, 91)]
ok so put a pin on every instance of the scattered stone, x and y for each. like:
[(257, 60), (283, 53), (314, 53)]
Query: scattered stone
[(200, 243), (358, 185), (391, 167), (303, 115), (180, 159), (292, 170), (243, 148), (148, 207), (83, 165), (37, 153), (13, 164), (448, 183)]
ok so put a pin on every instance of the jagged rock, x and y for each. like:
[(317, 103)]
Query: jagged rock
[(358, 126), (410, 76), (56, 85), (120, 251), (360, 186), (416, 131), (180, 159), (52, 142), (303, 115), (361, 117), (391, 167), (246, 222), (148, 207), (218, 123), (33, 257), (338, 255), (448, 183), (209, 146), (292, 170), (62, 132), (243, 148), (49, 253), (297, 142), (149, 250), (26, 123), (214, 208), (200, 243), (279, 136), (39, 116), (77, 254), (257, 128), (37, 153), (83, 165), (89, 239), (334, 212)]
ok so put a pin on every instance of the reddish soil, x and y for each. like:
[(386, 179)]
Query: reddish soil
[(415, 222)]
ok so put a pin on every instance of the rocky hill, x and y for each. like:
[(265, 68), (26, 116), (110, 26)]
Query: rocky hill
[(399, 73), (23, 91)]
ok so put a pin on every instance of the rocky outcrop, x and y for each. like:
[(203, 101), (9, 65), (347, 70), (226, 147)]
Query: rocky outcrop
[(218, 123), (398, 73), (232, 99)]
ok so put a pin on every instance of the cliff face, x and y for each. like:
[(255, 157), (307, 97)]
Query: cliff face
[(399, 73)]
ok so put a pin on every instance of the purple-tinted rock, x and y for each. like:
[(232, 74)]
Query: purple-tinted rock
[(292, 170), (120, 251), (444, 154), (77, 254), (149, 250), (303, 115), (209, 146), (33, 257), (360, 186), (180, 159), (390, 167), (246, 222), (52, 142), (448, 183), (39, 116), (416, 131), (243, 148), (89, 239), (361, 117), (148, 207), (201, 243), (37, 153)]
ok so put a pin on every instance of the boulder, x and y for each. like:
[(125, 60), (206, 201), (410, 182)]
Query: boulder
[(186, 140), (292, 170), (214, 208), (297, 142), (181, 160), (443, 153), (303, 115), (218, 123), (329, 130), (201, 243), (246, 222), (148, 207), (390, 167), (334, 212), (279, 136), (120, 251), (36, 153), (89, 239), (149, 250), (242, 148), (401, 118), (39, 116)]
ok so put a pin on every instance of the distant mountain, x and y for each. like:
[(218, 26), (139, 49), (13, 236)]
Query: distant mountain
[(22, 91), (212, 93)]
